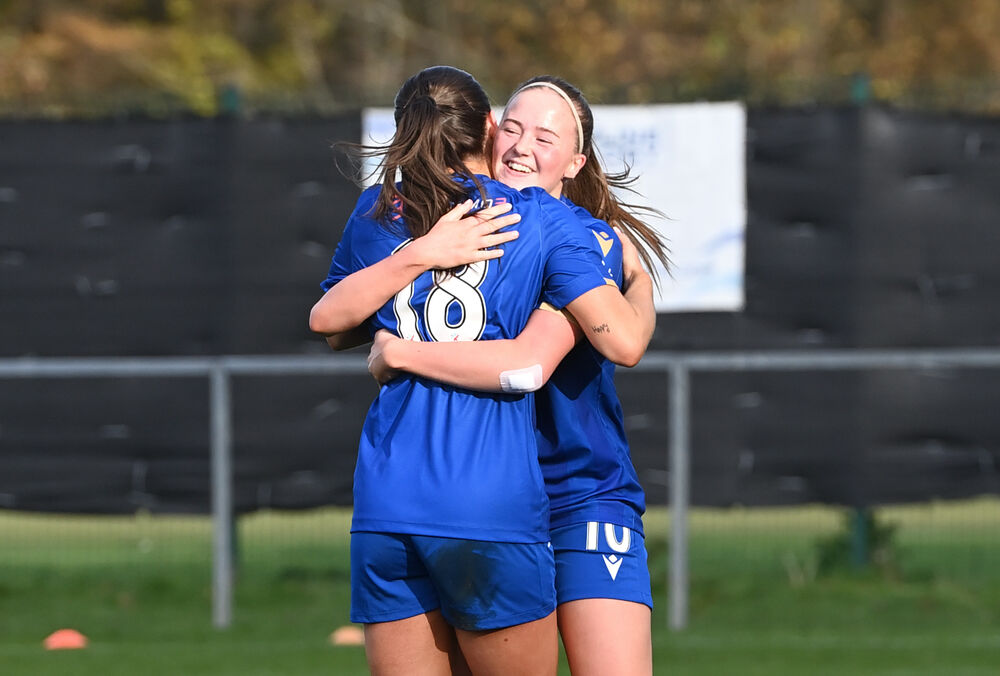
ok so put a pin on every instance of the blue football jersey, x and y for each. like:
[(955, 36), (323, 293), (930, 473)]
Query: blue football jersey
[(582, 446), (438, 460)]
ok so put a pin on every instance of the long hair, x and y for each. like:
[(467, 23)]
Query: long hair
[(592, 188), (440, 117)]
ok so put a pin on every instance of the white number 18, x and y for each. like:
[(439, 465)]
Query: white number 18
[(460, 286)]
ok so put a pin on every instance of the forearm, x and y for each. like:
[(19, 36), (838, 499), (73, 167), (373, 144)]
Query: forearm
[(618, 326), (462, 364), (639, 295), (345, 340), (348, 303), (521, 364), (456, 239)]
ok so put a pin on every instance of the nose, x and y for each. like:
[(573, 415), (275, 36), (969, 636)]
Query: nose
[(520, 145)]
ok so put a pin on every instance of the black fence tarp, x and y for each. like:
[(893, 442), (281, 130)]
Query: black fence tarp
[(866, 228)]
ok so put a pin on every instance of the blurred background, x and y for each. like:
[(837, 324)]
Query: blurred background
[(105, 57), (169, 195)]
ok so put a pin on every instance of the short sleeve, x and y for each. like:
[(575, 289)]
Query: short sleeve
[(339, 265), (573, 265), (349, 253), (608, 245)]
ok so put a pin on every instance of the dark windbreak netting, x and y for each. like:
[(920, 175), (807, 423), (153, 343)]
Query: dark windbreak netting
[(170, 238), (184, 237), (866, 228)]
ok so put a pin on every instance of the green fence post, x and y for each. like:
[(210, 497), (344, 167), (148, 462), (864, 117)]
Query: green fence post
[(859, 537), (861, 88)]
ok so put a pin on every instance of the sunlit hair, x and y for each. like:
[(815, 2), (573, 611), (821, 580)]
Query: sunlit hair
[(441, 115), (592, 188)]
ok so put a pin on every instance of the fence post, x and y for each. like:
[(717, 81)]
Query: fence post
[(222, 497), (680, 473), (860, 555)]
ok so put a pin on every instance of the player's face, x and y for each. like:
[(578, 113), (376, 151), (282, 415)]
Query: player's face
[(536, 143)]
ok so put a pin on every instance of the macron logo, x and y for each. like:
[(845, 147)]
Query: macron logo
[(612, 563)]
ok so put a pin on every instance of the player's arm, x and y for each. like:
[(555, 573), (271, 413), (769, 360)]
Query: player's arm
[(521, 364), (342, 311), (456, 239), (619, 324), (345, 340)]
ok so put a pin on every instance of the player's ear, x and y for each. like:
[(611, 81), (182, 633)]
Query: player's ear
[(575, 165), (491, 133)]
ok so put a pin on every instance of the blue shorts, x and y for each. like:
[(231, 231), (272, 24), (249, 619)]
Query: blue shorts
[(600, 561), (477, 585)]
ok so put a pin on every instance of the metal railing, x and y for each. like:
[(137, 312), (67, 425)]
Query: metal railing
[(219, 372), (679, 366)]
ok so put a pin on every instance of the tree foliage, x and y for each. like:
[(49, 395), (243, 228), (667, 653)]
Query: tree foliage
[(79, 57)]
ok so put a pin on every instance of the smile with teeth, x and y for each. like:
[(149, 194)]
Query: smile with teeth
[(518, 167)]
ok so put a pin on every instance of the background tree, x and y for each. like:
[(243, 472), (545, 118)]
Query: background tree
[(87, 57)]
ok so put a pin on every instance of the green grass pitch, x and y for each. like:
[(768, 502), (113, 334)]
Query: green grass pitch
[(139, 588)]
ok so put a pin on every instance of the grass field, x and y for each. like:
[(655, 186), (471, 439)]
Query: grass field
[(139, 588)]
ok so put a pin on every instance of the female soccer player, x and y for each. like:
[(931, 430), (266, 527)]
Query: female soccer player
[(450, 511), (602, 582)]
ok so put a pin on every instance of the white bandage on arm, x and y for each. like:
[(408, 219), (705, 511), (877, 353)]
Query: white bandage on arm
[(521, 380)]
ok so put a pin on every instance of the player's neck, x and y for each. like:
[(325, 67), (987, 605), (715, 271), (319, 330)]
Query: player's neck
[(478, 165)]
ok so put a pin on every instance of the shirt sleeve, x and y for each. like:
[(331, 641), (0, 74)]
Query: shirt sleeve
[(348, 256), (609, 246), (573, 265)]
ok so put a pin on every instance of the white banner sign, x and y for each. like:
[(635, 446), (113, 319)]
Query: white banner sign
[(690, 163)]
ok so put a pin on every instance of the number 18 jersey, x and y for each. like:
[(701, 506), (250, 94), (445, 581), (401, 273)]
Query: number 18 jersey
[(439, 460)]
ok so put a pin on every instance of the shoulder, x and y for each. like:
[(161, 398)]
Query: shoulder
[(551, 209), (601, 229), (607, 241), (363, 218), (366, 201), (607, 238), (525, 204), (496, 192), (364, 208), (545, 200)]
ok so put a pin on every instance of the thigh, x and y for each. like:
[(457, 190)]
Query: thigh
[(423, 645), (528, 649), (388, 579), (603, 587), (597, 560), (606, 636), (484, 585)]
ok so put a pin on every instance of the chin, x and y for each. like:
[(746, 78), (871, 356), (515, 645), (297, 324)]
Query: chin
[(516, 180)]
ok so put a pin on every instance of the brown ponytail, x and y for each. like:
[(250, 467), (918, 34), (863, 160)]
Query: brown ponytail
[(440, 117)]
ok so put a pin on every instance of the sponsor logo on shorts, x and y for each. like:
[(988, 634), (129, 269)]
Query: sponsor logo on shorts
[(621, 545), (612, 563)]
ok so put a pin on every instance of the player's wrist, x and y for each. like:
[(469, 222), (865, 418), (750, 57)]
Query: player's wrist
[(392, 353), (419, 255)]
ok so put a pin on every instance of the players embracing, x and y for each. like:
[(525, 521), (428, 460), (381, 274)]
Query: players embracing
[(494, 481)]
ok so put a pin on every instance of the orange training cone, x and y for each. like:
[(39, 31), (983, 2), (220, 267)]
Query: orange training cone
[(65, 639), (348, 635)]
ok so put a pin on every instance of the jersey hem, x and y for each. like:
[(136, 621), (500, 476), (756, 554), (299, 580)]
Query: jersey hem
[(450, 531), (608, 512)]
